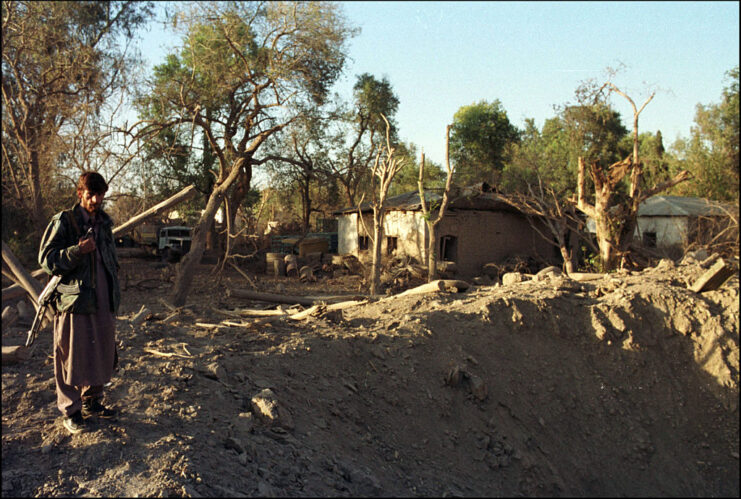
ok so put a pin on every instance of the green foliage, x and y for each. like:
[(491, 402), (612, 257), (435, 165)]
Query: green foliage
[(595, 132), (358, 133), (548, 155), (653, 156), (479, 140), (373, 98), (244, 71), (711, 152)]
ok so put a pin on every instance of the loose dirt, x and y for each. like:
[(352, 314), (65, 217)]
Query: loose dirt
[(626, 385)]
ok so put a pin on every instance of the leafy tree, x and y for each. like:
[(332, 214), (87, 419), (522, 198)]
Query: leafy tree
[(539, 181), (362, 133), (480, 136), (241, 71), (711, 152), (595, 130), (654, 157), (63, 64)]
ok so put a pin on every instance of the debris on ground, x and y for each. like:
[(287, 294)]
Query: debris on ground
[(620, 384)]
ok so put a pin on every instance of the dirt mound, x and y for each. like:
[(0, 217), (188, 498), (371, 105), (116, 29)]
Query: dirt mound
[(622, 385)]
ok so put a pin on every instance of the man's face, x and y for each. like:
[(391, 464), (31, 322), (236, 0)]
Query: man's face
[(92, 202)]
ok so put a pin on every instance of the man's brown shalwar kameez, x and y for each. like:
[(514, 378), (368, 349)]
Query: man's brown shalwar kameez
[(84, 347)]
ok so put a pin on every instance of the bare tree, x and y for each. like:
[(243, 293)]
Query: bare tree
[(553, 219), (62, 62), (616, 216), (432, 224), (385, 167)]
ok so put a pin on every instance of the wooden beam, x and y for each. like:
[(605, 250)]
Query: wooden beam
[(714, 277), (23, 277), (16, 290), (139, 219)]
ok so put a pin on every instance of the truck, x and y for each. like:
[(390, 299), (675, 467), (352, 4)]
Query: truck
[(169, 242)]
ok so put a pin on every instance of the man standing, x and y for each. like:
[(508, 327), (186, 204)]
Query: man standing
[(87, 300)]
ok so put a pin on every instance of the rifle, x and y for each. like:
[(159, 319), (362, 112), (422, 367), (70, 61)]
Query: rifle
[(45, 300)]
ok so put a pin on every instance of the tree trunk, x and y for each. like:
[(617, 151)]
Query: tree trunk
[(375, 277), (307, 206), (133, 222), (605, 240), (431, 252), (187, 266)]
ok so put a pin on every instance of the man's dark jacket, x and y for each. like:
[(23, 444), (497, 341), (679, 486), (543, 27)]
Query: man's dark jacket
[(60, 254)]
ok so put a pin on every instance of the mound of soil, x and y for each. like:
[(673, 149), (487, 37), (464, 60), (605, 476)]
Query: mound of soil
[(625, 385)]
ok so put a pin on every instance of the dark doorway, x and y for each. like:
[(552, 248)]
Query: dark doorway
[(391, 244), (448, 248)]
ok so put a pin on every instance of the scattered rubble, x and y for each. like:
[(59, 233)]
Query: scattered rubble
[(620, 384)]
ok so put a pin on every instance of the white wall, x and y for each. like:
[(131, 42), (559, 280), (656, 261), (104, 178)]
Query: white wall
[(347, 234), (669, 231)]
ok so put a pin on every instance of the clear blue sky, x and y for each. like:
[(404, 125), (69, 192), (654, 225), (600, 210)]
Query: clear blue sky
[(439, 56)]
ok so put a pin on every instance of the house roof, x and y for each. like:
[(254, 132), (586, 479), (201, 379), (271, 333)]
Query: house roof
[(476, 197), (678, 206)]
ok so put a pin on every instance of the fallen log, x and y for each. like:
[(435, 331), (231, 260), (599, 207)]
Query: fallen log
[(139, 219), (10, 315), (445, 285), (318, 310), (248, 312), (25, 279), (165, 354), (288, 299), (714, 277), (13, 292), (586, 276)]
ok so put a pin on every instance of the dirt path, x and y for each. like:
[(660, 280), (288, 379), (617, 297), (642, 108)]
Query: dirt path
[(626, 385)]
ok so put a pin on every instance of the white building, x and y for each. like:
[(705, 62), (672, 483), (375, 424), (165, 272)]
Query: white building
[(667, 221)]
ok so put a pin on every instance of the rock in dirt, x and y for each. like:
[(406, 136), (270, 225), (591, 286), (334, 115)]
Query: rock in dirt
[(512, 278), (265, 405)]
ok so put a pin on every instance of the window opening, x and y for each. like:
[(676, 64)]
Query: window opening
[(363, 242), (448, 248)]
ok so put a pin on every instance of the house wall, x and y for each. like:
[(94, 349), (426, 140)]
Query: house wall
[(407, 226), (347, 234), (410, 230), (491, 236), (481, 237), (670, 231)]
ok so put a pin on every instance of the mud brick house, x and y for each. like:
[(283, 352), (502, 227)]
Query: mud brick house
[(478, 228)]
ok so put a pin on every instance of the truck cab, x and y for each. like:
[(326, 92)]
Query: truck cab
[(173, 242)]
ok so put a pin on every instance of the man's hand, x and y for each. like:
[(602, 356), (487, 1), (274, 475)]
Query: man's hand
[(86, 245)]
